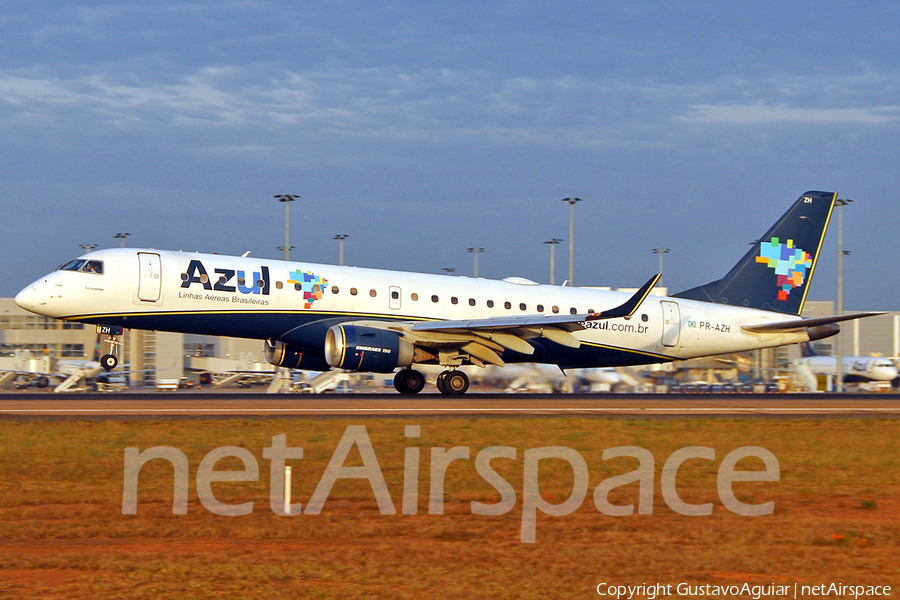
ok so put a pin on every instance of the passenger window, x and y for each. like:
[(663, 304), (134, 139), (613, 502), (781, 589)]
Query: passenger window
[(572, 311), (490, 304), (522, 306), (540, 308), (507, 305), (414, 297), (353, 291), (278, 284), (454, 300), (335, 289), (555, 310), (645, 318), (395, 295), (471, 301), (372, 293), (434, 299)]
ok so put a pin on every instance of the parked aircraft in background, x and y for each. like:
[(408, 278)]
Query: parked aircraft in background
[(66, 374), (316, 316), (857, 369), (536, 377)]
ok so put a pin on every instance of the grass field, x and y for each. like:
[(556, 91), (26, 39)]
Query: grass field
[(63, 535)]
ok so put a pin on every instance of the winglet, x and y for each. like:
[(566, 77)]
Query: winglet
[(631, 306)]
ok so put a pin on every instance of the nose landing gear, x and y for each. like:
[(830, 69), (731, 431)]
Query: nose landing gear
[(111, 360)]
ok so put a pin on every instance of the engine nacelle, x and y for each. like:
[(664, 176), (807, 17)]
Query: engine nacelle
[(293, 357), (367, 349)]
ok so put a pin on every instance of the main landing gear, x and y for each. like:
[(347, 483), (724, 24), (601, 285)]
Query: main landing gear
[(409, 381), (450, 382), (453, 382)]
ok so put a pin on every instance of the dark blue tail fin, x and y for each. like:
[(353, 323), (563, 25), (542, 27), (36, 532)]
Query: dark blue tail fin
[(775, 274)]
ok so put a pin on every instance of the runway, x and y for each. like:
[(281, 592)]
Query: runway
[(193, 405)]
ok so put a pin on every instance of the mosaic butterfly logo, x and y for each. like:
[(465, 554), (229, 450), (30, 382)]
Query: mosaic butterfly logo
[(312, 286), (790, 264)]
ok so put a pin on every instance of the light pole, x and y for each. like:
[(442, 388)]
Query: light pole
[(659, 252), (476, 252), (839, 359), (121, 237), (287, 199), (553, 244), (340, 238), (571, 202), (88, 247)]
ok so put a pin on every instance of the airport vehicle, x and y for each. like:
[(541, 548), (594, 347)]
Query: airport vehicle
[(317, 316), (856, 369)]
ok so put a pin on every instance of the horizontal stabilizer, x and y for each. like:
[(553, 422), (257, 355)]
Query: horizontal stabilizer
[(796, 324)]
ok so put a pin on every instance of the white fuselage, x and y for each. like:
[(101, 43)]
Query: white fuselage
[(273, 299)]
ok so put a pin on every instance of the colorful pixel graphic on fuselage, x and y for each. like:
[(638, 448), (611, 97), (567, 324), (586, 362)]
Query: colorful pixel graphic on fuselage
[(312, 286), (790, 264)]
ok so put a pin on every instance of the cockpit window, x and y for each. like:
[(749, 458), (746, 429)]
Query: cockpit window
[(83, 265), (73, 265)]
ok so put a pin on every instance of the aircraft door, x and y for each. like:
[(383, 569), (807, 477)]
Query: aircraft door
[(151, 277), (395, 297), (671, 323)]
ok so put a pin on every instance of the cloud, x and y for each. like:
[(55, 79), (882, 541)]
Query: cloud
[(757, 114), (270, 106)]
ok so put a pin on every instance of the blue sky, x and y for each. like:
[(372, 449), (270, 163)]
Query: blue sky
[(423, 129)]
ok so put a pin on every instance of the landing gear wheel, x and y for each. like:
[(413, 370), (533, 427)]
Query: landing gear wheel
[(109, 361), (453, 383), (409, 381), (442, 382)]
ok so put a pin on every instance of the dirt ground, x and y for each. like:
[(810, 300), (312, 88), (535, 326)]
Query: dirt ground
[(63, 534)]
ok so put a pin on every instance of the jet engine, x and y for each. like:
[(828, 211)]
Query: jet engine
[(294, 357), (359, 348)]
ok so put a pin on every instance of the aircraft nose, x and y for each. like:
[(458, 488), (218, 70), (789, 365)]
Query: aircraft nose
[(25, 298), (37, 297)]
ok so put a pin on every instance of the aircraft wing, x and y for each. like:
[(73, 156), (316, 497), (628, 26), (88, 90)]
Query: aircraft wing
[(483, 340), (797, 324)]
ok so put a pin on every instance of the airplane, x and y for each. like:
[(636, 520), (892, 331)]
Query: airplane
[(318, 316), (25, 371), (856, 368), (546, 378)]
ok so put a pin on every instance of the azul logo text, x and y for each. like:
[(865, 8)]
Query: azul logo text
[(225, 279)]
